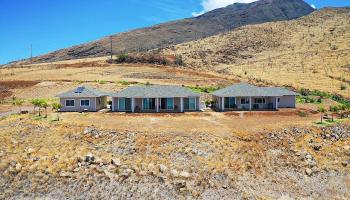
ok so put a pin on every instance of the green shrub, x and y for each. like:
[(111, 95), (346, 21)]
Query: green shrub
[(122, 57), (302, 114)]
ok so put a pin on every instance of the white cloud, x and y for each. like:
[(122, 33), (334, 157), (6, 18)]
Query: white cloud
[(209, 5), (313, 6)]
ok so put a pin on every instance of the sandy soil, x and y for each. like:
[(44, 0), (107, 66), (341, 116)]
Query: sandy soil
[(213, 122)]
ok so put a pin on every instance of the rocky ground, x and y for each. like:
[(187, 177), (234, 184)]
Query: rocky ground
[(52, 160)]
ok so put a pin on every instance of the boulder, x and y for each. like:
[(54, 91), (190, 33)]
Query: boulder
[(308, 171), (65, 174), (163, 168), (90, 158), (18, 167), (30, 150), (116, 162), (174, 173), (184, 174)]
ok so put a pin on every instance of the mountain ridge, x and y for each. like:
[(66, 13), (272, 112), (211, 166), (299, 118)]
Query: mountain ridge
[(175, 32)]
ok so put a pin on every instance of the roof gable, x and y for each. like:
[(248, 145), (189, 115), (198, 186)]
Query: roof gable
[(156, 91), (82, 91), (245, 89)]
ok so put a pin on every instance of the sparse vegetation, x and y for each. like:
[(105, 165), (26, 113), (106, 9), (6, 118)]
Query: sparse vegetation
[(321, 110), (204, 89)]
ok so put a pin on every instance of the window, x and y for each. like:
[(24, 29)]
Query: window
[(121, 103), (244, 101), (260, 101), (124, 104), (149, 104), (84, 103), (99, 101), (167, 103), (170, 103), (279, 100), (190, 103), (70, 103), (230, 102)]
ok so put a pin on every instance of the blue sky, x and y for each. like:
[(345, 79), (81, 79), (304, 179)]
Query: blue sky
[(53, 24)]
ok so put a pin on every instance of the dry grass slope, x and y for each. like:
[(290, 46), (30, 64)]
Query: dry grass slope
[(311, 52)]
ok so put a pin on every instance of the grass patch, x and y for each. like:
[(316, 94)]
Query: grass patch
[(101, 82), (302, 114), (308, 99), (126, 83), (207, 89), (334, 97)]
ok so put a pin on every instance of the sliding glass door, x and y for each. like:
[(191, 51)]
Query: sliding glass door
[(124, 104), (148, 103), (167, 103), (190, 103)]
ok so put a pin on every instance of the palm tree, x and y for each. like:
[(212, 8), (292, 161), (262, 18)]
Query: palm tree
[(321, 110), (56, 107), (44, 105), (36, 103), (333, 109)]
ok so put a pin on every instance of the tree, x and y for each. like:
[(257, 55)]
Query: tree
[(333, 109), (321, 110), (56, 107), (36, 104), (45, 105)]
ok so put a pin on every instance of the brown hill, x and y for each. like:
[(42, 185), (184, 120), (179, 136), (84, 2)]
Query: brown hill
[(176, 32), (311, 52)]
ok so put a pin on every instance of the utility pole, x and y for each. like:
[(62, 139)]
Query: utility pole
[(31, 54), (111, 37)]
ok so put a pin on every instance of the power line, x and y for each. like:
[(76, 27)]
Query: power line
[(31, 54), (111, 41)]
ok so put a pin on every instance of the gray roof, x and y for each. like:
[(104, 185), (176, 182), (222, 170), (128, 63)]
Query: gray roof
[(156, 91), (83, 91), (246, 90)]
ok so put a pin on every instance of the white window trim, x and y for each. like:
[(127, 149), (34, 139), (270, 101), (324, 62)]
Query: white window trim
[(84, 105), (65, 103)]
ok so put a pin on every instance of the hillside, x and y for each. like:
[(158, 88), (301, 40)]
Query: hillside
[(176, 32), (311, 52)]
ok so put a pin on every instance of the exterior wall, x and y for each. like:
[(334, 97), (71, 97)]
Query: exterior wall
[(242, 106), (103, 103), (77, 107), (270, 103), (138, 103), (287, 102), (115, 104), (217, 104)]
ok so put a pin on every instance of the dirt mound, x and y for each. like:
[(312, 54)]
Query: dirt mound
[(6, 86)]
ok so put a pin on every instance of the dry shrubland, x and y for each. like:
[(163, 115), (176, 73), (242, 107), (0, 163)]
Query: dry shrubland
[(58, 160), (311, 52)]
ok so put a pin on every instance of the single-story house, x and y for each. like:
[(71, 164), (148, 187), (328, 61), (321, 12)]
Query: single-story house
[(155, 98), (245, 96), (83, 99)]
